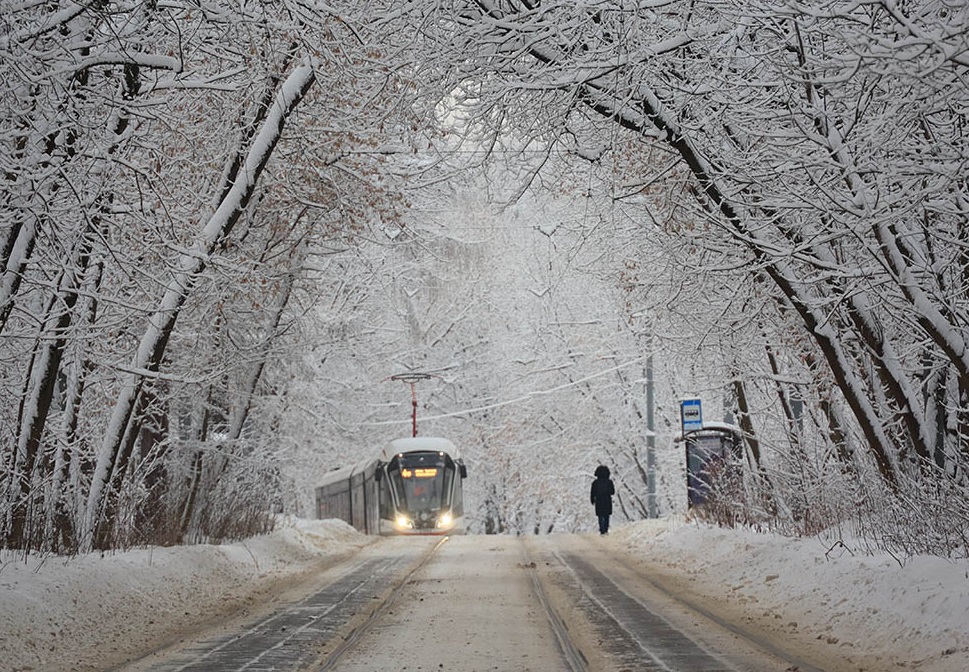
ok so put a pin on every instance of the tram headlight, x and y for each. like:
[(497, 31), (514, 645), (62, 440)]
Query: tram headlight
[(405, 523), (444, 519)]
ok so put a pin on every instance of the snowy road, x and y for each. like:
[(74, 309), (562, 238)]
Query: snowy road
[(479, 603)]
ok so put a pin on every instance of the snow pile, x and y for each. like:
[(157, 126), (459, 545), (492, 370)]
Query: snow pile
[(93, 611), (913, 614)]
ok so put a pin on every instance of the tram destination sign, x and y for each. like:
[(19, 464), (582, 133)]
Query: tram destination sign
[(691, 415), (419, 472)]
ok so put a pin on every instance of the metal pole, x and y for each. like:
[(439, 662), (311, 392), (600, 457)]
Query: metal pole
[(650, 440), (413, 403)]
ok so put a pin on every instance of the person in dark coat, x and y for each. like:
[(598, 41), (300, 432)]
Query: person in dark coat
[(602, 492)]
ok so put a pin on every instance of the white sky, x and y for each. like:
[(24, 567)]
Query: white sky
[(93, 609)]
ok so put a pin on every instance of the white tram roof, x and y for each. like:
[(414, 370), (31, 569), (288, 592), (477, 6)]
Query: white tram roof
[(341, 474), (432, 443), (394, 447)]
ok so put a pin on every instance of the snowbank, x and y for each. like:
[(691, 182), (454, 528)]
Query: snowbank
[(913, 615), (94, 611)]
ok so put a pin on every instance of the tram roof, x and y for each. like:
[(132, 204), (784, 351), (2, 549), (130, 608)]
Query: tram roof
[(341, 474), (410, 444), (432, 443)]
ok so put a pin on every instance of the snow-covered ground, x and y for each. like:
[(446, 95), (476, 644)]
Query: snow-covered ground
[(91, 612), (912, 615)]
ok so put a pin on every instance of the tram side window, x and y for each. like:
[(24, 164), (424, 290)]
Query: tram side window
[(447, 493), (384, 499), (457, 500), (395, 479)]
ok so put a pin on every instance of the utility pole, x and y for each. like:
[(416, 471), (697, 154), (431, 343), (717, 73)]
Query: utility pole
[(650, 440)]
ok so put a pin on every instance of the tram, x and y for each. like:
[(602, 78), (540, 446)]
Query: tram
[(413, 487)]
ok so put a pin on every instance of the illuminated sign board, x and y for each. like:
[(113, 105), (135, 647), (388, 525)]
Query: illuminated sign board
[(419, 472)]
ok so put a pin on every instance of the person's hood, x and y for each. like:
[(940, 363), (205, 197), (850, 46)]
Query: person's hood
[(602, 471)]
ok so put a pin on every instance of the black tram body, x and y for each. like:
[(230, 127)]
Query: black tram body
[(413, 487)]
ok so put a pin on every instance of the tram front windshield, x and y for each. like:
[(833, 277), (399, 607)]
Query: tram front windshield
[(421, 481)]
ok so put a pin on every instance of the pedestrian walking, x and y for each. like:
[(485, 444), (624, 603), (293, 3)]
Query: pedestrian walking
[(601, 496)]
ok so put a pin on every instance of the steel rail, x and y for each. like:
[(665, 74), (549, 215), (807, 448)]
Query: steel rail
[(376, 613), (571, 655)]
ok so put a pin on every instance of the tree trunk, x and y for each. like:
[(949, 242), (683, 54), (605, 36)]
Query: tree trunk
[(17, 247), (31, 468), (115, 452)]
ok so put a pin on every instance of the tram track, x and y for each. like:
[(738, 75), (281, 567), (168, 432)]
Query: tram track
[(501, 603), (571, 654), (627, 620), (693, 606), (631, 632), (477, 605), (298, 635), (330, 661)]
